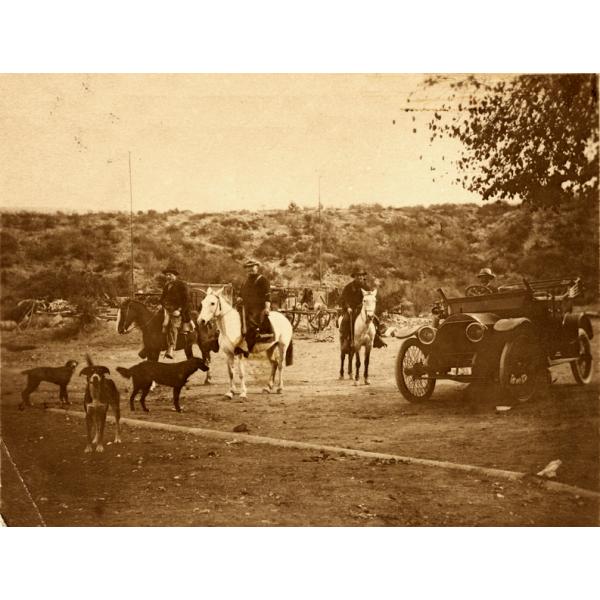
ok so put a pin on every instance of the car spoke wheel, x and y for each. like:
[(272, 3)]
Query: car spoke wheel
[(478, 290), (582, 368), (521, 371), (410, 366)]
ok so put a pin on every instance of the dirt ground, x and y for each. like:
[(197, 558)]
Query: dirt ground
[(176, 479)]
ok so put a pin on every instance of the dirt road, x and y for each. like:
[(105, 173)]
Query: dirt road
[(162, 478)]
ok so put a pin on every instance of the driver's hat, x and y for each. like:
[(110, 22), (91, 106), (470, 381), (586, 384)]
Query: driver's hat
[(486, 272)]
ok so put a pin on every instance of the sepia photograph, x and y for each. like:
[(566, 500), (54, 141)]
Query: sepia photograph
[(300, 300)]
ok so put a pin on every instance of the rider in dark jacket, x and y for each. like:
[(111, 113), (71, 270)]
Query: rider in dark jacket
[(176, 302), (351, 302), (255, 298)]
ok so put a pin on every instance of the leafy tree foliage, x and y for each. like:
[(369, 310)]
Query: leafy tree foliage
[(530, 137)]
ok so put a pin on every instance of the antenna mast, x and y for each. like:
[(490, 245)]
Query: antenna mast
[(320, 237), (131, 225)]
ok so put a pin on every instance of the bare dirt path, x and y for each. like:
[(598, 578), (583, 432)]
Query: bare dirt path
[(458, 425)]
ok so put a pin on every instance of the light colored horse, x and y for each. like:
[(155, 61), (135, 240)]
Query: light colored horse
[(364, 334), (279, 350)]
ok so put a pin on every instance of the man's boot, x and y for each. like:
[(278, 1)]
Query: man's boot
[(169, 352), (242, 348), (377, 341)]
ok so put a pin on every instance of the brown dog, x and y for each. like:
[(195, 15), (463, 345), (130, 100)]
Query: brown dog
[(60, 376), (100, 393)]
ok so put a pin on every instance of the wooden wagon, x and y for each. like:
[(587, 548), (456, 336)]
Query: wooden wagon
[(298, 303)]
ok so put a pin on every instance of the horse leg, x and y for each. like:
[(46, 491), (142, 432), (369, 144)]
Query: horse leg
[(269, 387), (342, 357), (357, 370), (367, 357), (230, 362), (350, 361), (281, 364), (242, 371)]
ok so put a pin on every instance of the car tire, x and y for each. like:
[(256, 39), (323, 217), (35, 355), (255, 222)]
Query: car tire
[(521, 368), (414, 389), (583, 367)]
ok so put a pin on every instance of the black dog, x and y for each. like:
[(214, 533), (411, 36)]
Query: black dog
[(172, 375), (100, 393), (57, 375)]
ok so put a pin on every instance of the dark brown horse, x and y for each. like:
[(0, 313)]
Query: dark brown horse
[(133, 313)]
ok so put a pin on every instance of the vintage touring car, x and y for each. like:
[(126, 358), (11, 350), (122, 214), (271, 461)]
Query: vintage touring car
[(508, 338)]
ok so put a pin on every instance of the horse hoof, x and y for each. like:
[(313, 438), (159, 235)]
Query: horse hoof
[(367, 382), (355, 382), (266, 390), (100, 448), (280, 390), (341, 377), (88, 449), (228, 395)]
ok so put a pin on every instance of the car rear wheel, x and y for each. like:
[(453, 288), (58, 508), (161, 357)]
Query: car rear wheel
[(521, 368), (410, 375), (582, 368)]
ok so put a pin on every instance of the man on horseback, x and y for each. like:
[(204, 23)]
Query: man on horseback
[(351, 302), (254, 304), (176, 304)]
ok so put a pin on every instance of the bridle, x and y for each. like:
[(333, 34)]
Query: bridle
[(367, 318), (219, 310)]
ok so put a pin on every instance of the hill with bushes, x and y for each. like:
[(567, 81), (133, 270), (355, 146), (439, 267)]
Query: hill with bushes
[(408, 252)]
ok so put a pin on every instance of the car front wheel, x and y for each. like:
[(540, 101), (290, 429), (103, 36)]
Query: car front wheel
[(411, 378)]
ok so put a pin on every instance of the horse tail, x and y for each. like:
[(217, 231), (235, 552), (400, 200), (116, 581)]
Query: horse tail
[(289, 354), (124, 372)]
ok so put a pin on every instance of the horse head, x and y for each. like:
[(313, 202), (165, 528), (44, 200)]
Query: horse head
[(129, 315), (368, 306), (211, 306)]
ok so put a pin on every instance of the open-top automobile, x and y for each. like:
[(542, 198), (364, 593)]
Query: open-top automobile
[(508, 338)]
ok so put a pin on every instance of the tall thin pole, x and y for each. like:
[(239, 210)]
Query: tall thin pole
[(131, 225), (320, 237)]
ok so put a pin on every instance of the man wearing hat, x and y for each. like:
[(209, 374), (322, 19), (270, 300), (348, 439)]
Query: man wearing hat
[(351, 302), (485, 277), (176, 303), (255, 298)]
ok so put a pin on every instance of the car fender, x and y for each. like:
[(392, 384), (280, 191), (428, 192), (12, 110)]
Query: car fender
[(573, 322), (506, 325)]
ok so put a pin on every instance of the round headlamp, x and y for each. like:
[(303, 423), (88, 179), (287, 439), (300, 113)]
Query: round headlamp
[(475, 332), (426, 334)]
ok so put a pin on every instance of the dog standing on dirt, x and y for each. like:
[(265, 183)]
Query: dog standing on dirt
[(172, 375), (61, 376), (100, 393)]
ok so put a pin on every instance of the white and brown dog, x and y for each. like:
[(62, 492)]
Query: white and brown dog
[(100, 393)]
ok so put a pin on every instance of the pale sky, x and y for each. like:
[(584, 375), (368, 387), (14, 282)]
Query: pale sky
[(220, 142)]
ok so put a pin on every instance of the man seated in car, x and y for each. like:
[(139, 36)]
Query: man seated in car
[(485, 278)]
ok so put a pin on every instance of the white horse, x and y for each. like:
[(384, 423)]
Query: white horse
[(279, 350), (364, 334)]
